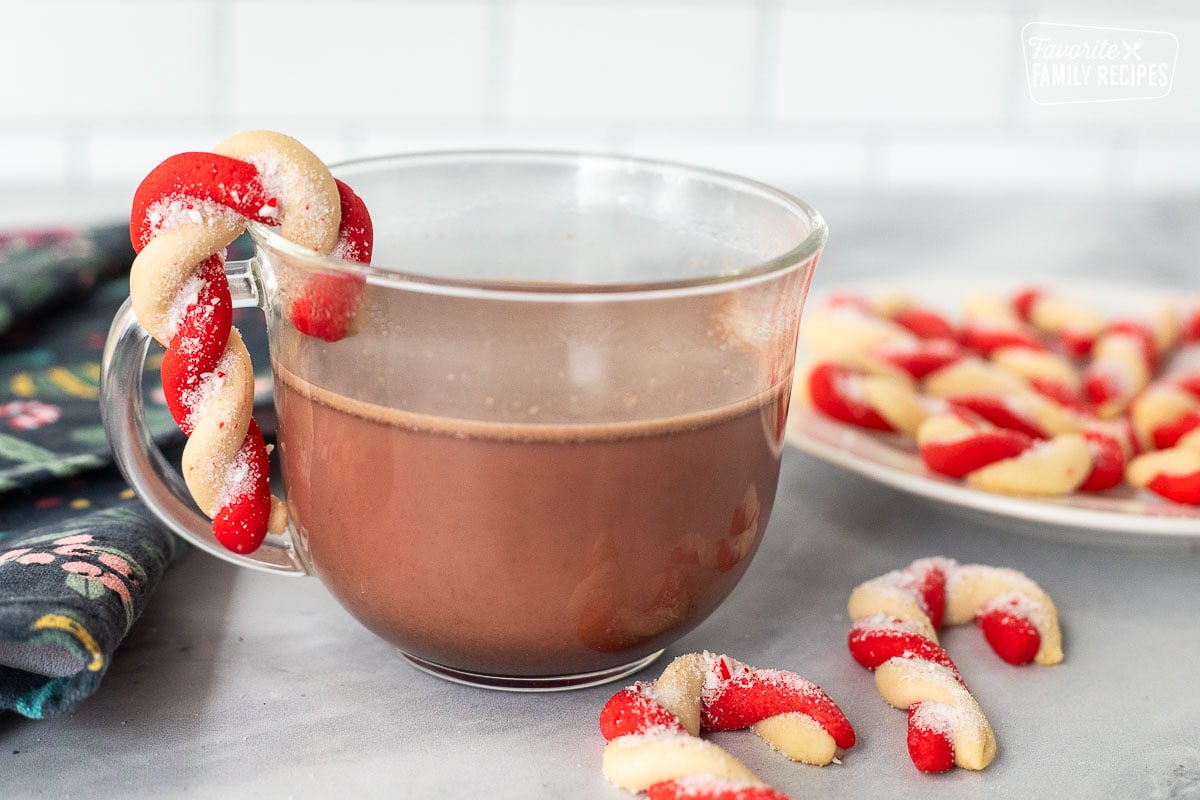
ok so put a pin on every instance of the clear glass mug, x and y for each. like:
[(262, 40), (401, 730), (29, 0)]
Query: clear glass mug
[(552, 443)]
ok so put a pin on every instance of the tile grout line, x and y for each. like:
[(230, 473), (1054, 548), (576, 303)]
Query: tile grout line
[(218, 68), (1021, 12), (766, 64), (498, 63)]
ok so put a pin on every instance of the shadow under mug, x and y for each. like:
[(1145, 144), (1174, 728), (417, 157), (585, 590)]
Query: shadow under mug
[(551, 444)]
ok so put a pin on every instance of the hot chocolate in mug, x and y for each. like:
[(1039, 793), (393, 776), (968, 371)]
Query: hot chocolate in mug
[(551, 443)]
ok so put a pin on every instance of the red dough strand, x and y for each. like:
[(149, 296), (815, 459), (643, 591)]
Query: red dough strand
[(921, 358), (1108, 462), (963, 456), (876, 640), (710, 789), (241, 523), (930, 738), (630, 712), (185, 182), (987, 340), (1001, 412), (742, 700), (924, 323), (325, 306), (199, 342), (1011, 634), (1180, 488)]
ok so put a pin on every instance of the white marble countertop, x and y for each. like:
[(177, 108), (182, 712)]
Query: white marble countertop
[(238, 684)]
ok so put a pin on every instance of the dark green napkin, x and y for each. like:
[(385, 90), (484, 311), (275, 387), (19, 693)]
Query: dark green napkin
[(79, 555)]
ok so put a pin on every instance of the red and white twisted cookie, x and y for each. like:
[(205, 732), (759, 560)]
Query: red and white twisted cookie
[(185, 213), (1005, 397), (875, 402), (920, 321), (653, 728), (1173, 473), (991, 323), (845, 331), (891, 337), (1166, 412), (1048, 374), (895, 621), (1124, 360), (1166, 421), (961, 444), (1073, 326)]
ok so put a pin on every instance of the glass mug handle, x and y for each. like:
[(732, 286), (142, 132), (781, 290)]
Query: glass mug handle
[(158, 484)]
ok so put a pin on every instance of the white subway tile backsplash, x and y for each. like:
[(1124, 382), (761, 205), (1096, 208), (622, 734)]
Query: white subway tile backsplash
[(614, 59), (123, 158), (412, 139), (803, 94), (1165, 169), (105, 60), (1070, 167), (27, 160), (47, 206), (885, 65), (357, 60), (790, 164)]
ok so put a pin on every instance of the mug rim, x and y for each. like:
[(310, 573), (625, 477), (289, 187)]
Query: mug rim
[(801, 253)]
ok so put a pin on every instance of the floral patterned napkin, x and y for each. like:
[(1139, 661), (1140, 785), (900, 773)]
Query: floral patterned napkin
[(79, 555), (69, 592)]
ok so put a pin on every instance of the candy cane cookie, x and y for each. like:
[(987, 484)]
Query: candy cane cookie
[(1124, 360), (890, 335), (989, 323), (875, 402), (960, 444), (1165, 418), (921, 321), (1163, 414), (653, 728), (918, 359), (973, 376), (1072, 325), (895, 621), (1173, 473), (185, 213), (1005, 390), (1030, 413), (846, 332), (1048, 374)]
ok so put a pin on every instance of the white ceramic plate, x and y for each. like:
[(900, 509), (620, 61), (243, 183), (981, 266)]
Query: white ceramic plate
[(892, 459)]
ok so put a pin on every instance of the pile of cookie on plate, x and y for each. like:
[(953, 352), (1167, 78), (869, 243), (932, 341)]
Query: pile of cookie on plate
[(1026, 393)]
